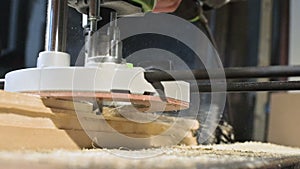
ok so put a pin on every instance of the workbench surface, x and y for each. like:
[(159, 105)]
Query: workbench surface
[(239, 155)]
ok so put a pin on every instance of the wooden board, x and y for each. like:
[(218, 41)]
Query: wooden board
[(156, 103), (25, 138), (32, 116), (284, 119)]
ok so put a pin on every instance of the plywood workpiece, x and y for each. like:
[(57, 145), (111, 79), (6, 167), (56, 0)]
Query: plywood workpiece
[(32, 122)]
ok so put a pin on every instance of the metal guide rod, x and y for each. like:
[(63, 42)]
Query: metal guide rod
[(94, 14), (247, 86), (56, 30), (230, 73)]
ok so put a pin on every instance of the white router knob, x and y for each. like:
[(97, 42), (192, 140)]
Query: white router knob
[(53, 59)]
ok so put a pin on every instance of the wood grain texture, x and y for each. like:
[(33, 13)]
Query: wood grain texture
[(156, 103), (24, 120)]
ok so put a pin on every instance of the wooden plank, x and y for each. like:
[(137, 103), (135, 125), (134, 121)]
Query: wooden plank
[(67, 119), (43, 138), (18, 138), (98, 123), (68, 104), (129, 128), (145, 100), (284, 119), (23, 112)]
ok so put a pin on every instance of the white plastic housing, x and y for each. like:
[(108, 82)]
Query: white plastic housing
[(104, 78)]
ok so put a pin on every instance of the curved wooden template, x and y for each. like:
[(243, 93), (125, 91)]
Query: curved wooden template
[(155, 102)]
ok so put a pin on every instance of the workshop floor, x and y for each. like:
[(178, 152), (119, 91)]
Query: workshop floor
[(240, 155)]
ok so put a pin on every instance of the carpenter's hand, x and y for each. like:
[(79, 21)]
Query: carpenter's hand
[(166, 5)]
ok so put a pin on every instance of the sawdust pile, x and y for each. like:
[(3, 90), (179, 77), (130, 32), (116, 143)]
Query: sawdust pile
[(238, 155)]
